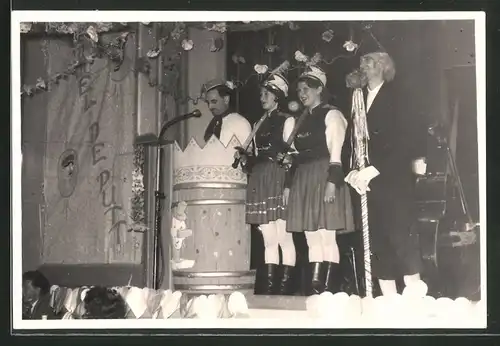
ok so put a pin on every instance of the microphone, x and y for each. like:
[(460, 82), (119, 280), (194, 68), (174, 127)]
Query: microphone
[(196, 114)]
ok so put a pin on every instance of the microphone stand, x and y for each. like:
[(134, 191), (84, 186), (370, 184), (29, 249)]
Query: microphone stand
[(159, 197)]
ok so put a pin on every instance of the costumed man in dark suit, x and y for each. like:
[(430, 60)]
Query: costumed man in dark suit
[(36, 297), (225, 123), (391, 202)]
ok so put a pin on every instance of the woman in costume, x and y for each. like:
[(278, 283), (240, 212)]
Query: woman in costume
[(264, 206), (319, 202)]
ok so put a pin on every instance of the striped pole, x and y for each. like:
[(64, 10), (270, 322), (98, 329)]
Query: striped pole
[(361, 154)]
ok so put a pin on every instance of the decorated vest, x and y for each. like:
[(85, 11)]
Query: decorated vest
[(310, 140), (269, 137)]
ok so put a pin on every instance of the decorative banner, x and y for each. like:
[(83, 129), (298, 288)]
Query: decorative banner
[(89, 166)]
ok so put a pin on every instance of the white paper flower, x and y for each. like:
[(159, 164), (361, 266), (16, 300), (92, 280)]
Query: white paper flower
[(293, 26), (272, 48), (25, 27), (92, 32), (301, 57), (260, 69), (315, 59), (153, 53), (40, 84), (187, 44), (230, 85), (350, 46), (237, 59), (328, 35)]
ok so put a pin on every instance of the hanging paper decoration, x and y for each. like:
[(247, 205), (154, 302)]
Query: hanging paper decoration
[(300, 57), (25, 27), (154, 53), (350, 46), (315, 59), (178, 31), (40, 84), (260, 69), (293, 26), (328, 35), (238, 59), (272, 48), (187, 45), (218, 27), (91, 31)]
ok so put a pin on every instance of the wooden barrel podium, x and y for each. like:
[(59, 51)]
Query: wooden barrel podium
[(220, 242)]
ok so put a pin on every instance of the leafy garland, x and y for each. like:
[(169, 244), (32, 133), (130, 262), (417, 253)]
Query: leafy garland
[(114, 50)]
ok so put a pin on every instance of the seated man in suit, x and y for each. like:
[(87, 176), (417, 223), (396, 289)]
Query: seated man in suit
[(36, 297)]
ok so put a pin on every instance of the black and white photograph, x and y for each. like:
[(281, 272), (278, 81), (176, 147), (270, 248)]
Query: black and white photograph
[(248, 170)]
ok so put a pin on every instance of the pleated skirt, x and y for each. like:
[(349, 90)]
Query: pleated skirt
[(307, 210), (264, 202)]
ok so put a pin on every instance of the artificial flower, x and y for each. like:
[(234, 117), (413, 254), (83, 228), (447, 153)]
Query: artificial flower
[(293, 26), (272, 48), (301, 57), (230, 85), (26, 27), (187, 44), (260, 69), (328, 35), (40, 84), (315, 59), (92, 32), (350, 46), (153, 53)]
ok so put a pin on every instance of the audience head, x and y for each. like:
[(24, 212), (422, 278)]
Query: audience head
[(35, 285), (104, 303)]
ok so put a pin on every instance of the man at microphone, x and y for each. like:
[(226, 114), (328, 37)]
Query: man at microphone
[(225, 123)]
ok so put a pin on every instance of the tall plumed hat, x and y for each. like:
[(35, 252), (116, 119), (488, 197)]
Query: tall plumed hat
[(276, 80)]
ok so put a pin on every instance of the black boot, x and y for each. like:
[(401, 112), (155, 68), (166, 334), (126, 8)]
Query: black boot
[(284, 285), (332, 277), (317, 278), (264, 282)]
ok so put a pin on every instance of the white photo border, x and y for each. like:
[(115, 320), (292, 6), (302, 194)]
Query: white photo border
[(199, 16)]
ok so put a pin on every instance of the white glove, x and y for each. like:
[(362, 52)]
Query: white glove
[(419, 166), (360, 180)]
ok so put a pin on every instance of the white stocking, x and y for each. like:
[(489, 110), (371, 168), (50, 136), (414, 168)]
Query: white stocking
[(315, 248), (285, 240), (331, 251), (270, 234)]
